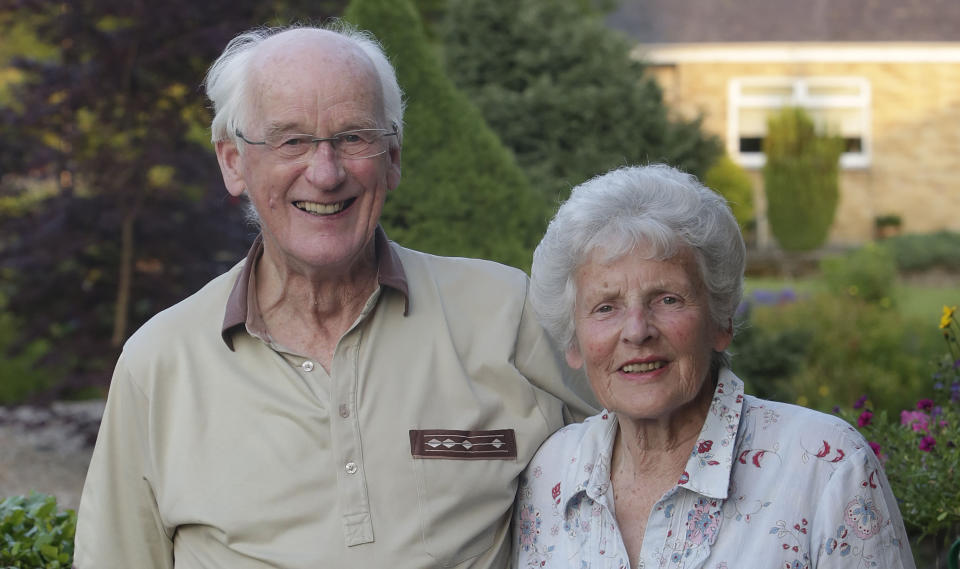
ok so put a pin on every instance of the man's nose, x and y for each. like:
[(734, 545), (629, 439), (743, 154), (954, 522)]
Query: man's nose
[(325, 167), (639, 326)]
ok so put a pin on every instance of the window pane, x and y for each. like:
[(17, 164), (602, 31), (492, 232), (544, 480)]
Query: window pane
[(751, 144), (770, 90), (833, 90)]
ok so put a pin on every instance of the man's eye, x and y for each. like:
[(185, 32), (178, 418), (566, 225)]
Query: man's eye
[(293, 141), (604, 308), (350, 138)]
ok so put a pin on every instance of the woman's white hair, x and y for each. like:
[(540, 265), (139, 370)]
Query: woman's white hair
[(228, 79), (657, 208)]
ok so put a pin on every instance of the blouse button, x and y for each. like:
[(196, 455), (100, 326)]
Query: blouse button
[(351, 468), (307, 366)]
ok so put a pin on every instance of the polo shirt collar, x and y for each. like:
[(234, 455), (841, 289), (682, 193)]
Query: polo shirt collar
[(389, 273), (707, 471)]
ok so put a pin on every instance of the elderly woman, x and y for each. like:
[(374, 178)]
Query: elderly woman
[(638, 278)]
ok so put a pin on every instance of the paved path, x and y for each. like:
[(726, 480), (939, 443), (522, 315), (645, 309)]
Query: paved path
[(47, 449)]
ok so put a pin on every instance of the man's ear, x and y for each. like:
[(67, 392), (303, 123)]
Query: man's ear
[(574, 357), (231, 167), (393, 168)]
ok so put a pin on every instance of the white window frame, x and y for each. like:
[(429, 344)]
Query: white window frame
[(800, 97)]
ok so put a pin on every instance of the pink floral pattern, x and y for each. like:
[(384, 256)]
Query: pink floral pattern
[(767, 482)]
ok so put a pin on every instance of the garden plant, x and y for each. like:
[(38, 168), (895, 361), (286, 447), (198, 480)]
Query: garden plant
[(920, 446), (35, 534)]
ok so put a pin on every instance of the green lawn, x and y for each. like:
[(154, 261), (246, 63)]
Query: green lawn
[(924, 302)]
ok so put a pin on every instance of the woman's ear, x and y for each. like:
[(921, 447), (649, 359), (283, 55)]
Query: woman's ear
[(574, 357)]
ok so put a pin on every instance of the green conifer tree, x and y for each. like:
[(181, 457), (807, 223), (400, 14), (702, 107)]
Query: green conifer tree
[(461, 192), (563, 92), (801, 180)]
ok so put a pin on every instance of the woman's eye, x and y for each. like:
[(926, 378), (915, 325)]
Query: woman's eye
[(604, 308), (670, 300)]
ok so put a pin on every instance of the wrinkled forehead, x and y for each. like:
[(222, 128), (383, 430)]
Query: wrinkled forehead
[(309, 73)]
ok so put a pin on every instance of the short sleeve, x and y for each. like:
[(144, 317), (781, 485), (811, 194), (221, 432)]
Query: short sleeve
[(118, 524), (541, 362)]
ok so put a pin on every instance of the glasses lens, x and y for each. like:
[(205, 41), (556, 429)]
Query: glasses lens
[(292, 145), (362, 143)]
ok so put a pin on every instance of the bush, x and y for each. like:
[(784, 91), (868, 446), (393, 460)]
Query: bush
[(34, 534), (563, 92), (916, 252), (462, 193), (800, 177), (21, 374), (868, 273), (920, 446), (847, 347), (733, 182)]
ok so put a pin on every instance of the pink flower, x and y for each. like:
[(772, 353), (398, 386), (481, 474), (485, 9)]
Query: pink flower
[(927, 443), (916, 420), (864, 419), (925, 404), (876, 448)]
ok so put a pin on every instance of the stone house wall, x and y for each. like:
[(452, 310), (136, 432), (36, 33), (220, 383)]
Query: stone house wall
[(914, 170)]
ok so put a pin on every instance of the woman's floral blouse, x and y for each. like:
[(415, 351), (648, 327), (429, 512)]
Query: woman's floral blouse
[(767, 485)]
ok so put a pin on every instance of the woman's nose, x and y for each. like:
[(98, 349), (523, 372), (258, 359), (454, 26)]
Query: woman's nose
[(639, 326)]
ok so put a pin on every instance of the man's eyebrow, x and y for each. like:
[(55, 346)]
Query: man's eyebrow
[(281, 128)]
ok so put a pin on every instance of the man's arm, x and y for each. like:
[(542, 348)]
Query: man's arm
[(119, 524), (543, 364)]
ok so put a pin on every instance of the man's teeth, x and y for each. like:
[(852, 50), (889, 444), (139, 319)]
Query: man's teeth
[(641, 368), (320, 208)]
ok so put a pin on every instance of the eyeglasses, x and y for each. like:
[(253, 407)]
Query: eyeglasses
[(352, 144)]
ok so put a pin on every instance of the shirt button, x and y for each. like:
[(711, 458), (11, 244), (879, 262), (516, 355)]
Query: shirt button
[(307, 365), (344, 410), (351, 468)]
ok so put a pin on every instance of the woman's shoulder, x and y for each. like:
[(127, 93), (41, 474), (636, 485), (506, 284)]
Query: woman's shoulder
[(575, 442), (789, 427)]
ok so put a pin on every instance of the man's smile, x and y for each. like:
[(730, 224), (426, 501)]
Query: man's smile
[(316, 208)]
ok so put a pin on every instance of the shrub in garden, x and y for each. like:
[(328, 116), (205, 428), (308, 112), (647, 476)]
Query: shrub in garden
[(800, 178), (733, 182), (852, 347), (868, 273), (916, 252), (562, 91), (462, 193), (34, 534), (920, 445)]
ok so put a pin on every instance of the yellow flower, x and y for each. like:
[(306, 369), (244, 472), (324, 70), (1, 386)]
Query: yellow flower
[(947, 317), (823, 391)]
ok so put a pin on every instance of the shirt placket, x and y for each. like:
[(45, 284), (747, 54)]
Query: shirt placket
[(345, 430)]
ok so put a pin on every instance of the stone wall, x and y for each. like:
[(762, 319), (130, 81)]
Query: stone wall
[(915, 123)]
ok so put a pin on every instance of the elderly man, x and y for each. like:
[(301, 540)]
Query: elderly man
[(335, 400)]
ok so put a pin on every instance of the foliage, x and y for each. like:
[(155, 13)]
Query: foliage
[(846, 347), (461, 192), (563, 92), (916, 252), (733, 182), (20, 373), (108, 114), (801, 180), (34, 534), (920, 446), (869, 273)]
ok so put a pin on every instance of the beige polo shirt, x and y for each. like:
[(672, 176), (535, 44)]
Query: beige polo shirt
[(220, 449)]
